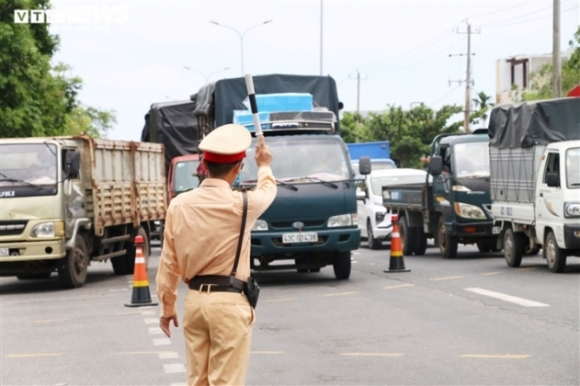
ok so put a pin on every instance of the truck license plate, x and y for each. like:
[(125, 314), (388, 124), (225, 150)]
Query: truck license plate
[(299, 237), (4, 252), (495, 230)]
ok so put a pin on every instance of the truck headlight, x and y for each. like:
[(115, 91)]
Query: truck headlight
[(343, 220), (572, 209), (469, 211), (260, 225), (45, 229)]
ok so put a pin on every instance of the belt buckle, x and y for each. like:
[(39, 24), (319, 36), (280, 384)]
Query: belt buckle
[(208, 288)]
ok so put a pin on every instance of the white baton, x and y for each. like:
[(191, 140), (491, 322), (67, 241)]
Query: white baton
[(253, 104)]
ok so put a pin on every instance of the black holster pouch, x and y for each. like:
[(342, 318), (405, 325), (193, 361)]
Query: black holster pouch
[(253, 291)]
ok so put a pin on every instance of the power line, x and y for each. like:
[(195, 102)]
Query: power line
[(517, 17), (529, 20), (500, 10), (446, 95)]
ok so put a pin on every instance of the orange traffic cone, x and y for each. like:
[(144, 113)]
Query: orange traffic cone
[(396, 263), (141, 296)]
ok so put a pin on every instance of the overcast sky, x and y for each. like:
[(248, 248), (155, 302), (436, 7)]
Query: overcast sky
[(400, 48)]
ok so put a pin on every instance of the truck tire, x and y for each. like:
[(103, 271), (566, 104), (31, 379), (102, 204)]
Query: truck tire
[(513, 248), (342, 265), (447, 243), (555, 256), (373, 243), (408, 237), (72, 269), (421, 242)]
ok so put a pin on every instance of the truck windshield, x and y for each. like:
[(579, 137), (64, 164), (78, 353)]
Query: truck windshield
[(471, 159), (25, 164), (573, 168), (186, 176), (301, 161)]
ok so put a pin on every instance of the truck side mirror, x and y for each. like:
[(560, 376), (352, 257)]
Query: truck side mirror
[(553, 180), (364, 165), (72, 163), (435, 165)]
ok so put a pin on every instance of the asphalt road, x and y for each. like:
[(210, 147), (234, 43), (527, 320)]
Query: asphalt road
[(436, 325)]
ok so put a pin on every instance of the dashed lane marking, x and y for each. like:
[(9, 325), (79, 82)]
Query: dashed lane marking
[(145, 353), (174, 368), (162, 342), (279, 300), (49, 320), (399, 286), (507, 298), (491, 273), (149, 312), (343, 293), (151, 320), (267, 352), (372, 354), (168, 355), (446, 278), (155, 330), (37, 355), (505, 356)]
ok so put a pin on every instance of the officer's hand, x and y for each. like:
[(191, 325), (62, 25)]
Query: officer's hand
[(263, 155), (165, 322)]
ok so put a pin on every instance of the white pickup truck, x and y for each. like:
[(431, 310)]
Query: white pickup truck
[(535, 179)]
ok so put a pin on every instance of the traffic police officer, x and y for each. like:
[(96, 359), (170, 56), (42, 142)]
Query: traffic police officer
[(202, 229)]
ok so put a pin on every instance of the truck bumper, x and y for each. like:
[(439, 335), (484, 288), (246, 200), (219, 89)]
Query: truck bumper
[(480, 229), (572, 236), (32, 250), (270, 243)]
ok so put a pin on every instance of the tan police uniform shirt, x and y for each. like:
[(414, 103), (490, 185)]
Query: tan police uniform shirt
[(202, 228)]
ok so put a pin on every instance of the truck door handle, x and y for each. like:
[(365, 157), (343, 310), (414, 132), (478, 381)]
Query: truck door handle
[(541, 194)]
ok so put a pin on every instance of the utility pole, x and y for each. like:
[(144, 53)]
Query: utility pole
[(358, 79), (556, 61), (468, 81)]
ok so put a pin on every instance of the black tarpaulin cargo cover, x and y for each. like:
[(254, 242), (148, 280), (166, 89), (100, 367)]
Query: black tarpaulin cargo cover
[(229, 94), (534, 123), (174, 125)]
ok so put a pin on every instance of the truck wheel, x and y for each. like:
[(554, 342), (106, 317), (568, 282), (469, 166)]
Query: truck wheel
[(421, 242), (373, 243), (555, 256), (72, 269), (447, 243), (341, 265), (408, 237), (513, 248)]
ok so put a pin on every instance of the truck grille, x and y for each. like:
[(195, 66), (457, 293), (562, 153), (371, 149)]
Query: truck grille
[(288, 224), (11, 228)]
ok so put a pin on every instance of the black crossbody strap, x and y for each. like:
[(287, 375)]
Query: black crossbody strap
[(243, 227)]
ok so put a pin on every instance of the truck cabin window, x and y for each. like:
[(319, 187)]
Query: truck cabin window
[(302, 162), (573, 168), (22, 164), (186, 176), (552, 166), (471, 160)]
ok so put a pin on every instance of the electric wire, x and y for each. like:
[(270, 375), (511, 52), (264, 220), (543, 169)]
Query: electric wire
[(530, 20), (446, 95)]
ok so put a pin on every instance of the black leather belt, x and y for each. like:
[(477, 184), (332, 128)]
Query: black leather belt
[(217, 283)]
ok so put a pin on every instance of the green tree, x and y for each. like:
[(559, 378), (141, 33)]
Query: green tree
[(35, 98), (482, 104)]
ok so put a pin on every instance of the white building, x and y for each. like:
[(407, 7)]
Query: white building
[(516, 71)]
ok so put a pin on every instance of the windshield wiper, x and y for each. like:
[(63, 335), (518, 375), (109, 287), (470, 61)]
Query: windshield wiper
[(5, 178), (278, 182), (324, 182)]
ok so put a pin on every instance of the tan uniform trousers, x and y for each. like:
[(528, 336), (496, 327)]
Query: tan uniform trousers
[(218, 335)]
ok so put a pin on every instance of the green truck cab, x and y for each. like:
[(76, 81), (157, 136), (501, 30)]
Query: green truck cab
[(453, 206), (312, 222)]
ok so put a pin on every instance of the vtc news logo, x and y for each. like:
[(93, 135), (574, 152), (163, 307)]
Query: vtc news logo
[(76, 14)]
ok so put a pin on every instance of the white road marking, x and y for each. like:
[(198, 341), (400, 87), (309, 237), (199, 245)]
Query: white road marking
[(399, 286), (151, 320), (178, 384), (118, 290), (446, 278), (175, 368), (155, 330), (168, 355), (505, 356), (33, 355), (507, 298), (148, 312), (371, 354), (342, 293), (162, 342), (491, 273)]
